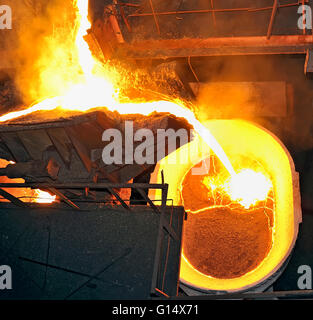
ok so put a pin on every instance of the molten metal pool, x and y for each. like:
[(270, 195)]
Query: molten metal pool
[(240, 229)]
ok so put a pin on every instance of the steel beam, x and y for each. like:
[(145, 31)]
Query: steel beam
[(191, 47), (13, 199), (94, 186), (308, 65), (271, 24)]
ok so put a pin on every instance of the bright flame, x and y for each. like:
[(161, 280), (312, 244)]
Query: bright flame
[(43, 197), (248, 187), (86, 59)]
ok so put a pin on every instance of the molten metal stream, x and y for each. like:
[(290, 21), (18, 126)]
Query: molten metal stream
[(98, 91)]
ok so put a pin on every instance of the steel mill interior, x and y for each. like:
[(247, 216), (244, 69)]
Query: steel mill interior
[(156, 149)]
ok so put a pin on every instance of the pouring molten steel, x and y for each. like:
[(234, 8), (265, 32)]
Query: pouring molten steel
[(97, 85), (234, 241), (240, 230)]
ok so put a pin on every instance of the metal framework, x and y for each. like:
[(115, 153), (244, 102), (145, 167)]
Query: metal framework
[(158, 47), (165, 226), (178, 48), (213, 10)]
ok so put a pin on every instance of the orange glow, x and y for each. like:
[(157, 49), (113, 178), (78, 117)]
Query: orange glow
[(43, 197), (25, 194), (241, 138), (99, 87), (227, 235)]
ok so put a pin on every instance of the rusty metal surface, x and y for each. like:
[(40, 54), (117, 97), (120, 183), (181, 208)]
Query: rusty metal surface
[(69, 151), (196, 47), (158, 29)]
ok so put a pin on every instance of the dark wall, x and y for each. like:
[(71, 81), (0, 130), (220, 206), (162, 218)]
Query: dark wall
[(96, 8), (252, 18)]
